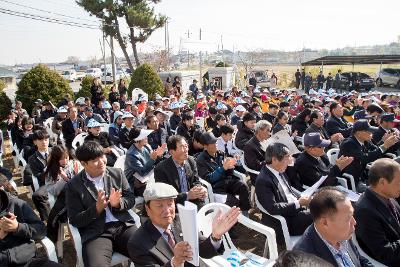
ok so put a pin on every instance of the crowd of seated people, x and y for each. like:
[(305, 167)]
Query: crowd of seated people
[(168, 156)]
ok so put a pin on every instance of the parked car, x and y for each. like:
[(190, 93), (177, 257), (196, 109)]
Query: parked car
[(70, 75), (108, 78), (388, 76), (357, 81), (93, 72)]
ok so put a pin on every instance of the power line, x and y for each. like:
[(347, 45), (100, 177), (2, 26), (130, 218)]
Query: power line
[(46, 19), (46, 11)]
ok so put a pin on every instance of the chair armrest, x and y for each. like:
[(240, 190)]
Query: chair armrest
[(35, 182), (391, 155), (240, 175), (270, 242), (76, 238), (50, 249), (209, 189), (51, 199)]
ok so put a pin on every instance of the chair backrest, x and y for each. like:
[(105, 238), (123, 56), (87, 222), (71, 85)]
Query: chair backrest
[(332, 155), (281, 219), (120, 162), (206, 215), (79, 139), (365, 255)]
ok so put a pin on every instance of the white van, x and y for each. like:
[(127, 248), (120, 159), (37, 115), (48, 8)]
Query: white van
[(69, 75), (93, 72)]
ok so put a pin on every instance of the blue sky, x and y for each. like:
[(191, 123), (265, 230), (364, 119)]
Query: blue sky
[(244, 25)]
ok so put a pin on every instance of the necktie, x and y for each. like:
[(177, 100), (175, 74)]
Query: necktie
[(394, 211), (345, 260), (288, 185), (45, 156), (226, 150), (171, 240)]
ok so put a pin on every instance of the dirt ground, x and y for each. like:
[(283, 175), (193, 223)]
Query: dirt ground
[(248, 240)]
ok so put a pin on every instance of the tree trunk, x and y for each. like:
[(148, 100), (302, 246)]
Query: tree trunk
[(134, 48), (123, 48)]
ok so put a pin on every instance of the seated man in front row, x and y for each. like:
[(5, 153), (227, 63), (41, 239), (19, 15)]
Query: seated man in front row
[(330, 236), (180, 171), (276, 195), (378, 213), (158, 242), (98, 200)]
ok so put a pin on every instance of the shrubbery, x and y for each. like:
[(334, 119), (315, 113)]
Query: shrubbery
[(145, 78), (5, 102), (41, 82)]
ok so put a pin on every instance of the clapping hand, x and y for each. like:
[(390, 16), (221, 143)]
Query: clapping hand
[(115, 198), (343, 162), (222, 223), (229, 163), (102, 201)]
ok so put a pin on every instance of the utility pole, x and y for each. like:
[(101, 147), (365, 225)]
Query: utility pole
[(200, 35), (200, 64), (188, 56), (112, 58), (104, 51)]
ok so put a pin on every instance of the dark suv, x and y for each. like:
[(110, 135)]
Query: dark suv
[(357, 81)]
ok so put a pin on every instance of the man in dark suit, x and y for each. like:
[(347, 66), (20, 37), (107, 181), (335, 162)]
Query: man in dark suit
[(360, 147), (98, 200), (317, 121), (378, 213), (335, 123), (72, 126), (37, 165), (158, 242), (312, 163), (180, 171), (254, 155), (330, 236), (245, 130), (277, 196), (386, 126)]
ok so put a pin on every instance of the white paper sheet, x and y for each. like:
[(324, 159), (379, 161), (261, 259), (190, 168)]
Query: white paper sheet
[(190, 229), (309, 191), (283, 137), (353, 196)]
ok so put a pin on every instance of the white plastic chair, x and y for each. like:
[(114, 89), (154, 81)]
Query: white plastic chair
[(290, 241), (60, 234), (205, 217), (351, 179), (50, 249), (375, 263), (200, 121), (15, 149), (116, 259), (252, 189), (210, 194), (120, 163), (79, 139), (332, 155)]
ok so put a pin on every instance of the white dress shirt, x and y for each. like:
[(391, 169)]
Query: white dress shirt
[(289, 196), (99, 184), (221, 146)]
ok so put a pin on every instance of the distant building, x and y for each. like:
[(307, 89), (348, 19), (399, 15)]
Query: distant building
[(8, 77)]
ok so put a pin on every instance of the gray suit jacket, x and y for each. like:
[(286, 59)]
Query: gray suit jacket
[(81, 198)]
